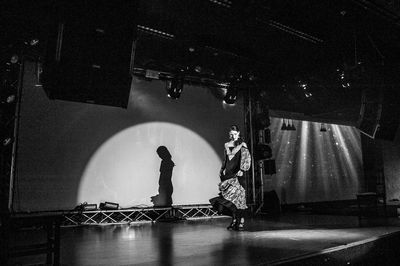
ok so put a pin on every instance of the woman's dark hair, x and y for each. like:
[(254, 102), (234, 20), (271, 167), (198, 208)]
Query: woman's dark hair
[(163, 152), (239, 140), (234, 127)]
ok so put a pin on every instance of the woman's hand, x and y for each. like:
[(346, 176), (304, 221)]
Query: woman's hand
[(221, 172), (240, 173)]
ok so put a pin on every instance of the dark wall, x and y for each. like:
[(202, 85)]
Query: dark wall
[(71, 152)]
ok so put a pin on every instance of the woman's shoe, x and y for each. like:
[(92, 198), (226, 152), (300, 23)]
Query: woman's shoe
[(232, 225), (240, 225)]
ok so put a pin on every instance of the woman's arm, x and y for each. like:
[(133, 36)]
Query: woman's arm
[(221, 171), (245, 161)]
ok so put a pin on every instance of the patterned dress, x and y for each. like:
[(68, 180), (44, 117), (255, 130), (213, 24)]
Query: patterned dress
[(232, 196)]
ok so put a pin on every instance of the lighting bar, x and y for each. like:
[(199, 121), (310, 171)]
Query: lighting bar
[(295, 32), (224, 3), (155, 32)]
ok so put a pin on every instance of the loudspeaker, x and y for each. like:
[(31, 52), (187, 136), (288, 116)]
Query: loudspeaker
[(269, 167), (263, 151), (89, 52), (262, 121), (390, 115), (380, 113), (370, 113), (272, 203)]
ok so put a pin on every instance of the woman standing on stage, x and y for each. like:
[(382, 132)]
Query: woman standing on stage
[(232, 196)]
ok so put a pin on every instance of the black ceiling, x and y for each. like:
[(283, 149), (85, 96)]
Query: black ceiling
[(281, 45), (278, 44)]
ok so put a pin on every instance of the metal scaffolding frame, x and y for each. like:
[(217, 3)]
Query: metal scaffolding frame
[(127, 216)]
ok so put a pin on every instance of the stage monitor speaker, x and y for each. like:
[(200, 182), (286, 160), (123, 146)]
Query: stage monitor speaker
[(89, 52), (272, 203)]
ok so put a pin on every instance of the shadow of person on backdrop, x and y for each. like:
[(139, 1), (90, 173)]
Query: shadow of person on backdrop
[(165, 188)]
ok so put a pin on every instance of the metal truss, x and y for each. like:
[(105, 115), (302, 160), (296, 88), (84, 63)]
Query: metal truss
[(126, 216), (198, 211)]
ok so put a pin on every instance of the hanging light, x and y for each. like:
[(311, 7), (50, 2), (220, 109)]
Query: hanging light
[(322, 127), (10, 98), (14, 59), (7, 141), (231, 94), (34, 42), (284, 126), (175, 87), (291, 125)]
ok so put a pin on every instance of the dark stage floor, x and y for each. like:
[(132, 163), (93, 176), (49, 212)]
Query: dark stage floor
[(207, 242)]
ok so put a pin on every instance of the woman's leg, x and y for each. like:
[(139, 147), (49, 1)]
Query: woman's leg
[(239, 220), (232, 225)]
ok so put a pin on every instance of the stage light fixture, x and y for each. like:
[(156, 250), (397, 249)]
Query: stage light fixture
[(156, 32), (175, 87), (33, 41), (10, 98), (290, 126), (308, 94), (7, 141), (109, 206), (224, 3), (90, 207), (231, 95), (284, 126), (86, 207), (14, 59), (322, 127)]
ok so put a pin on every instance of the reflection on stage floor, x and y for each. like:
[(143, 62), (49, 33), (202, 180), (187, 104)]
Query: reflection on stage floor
[(207, 242)]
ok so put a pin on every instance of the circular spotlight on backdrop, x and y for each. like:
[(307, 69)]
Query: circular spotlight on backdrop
[(127, 168)]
